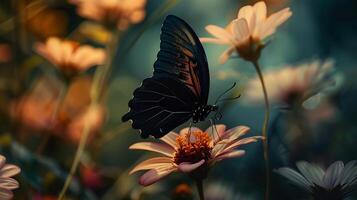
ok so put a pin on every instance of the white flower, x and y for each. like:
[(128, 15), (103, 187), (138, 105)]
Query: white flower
[(70, 56), (112, 13), (7, 184), (192, 152), (246, 33), (336, 183), (293, 85)]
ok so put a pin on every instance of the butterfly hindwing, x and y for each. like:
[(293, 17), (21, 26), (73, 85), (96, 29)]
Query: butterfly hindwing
[(182, 56), (159, 106)]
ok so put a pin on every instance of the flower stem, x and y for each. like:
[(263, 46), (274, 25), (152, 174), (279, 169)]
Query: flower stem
[(100, 79), (264, 130), (199, 185)]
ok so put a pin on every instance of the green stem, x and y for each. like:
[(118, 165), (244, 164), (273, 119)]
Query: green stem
[(199, 185), (264, 130), (100, 79)]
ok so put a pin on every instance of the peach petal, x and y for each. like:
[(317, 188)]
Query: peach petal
[(164, 149), (189, 167), (226, 54), (154, 175), (231, 154), (8, 183), (241, 29), (186, 130), (2, 161), (153, 163), (220, 33), (5, 194), (170, 139), (214, 40), (9, 170)]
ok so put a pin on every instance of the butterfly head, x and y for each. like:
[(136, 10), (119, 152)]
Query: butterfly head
[(201, 112)]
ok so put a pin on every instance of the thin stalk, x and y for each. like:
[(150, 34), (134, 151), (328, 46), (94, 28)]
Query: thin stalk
[(264, 130), (199, 185), (100, 79)]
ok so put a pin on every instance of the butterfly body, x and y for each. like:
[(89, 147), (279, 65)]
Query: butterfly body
[(179, 87)]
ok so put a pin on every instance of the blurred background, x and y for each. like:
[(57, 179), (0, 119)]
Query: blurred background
[(29, 86)]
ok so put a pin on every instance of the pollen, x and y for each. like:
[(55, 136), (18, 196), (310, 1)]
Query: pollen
[(193, 147)]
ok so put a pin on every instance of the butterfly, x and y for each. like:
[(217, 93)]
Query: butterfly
[(179, 87)]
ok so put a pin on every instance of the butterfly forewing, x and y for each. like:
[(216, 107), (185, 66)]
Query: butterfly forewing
[(179, 84), (182, 56)]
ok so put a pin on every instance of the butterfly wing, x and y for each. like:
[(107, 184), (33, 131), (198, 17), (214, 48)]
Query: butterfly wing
[(180, 80), (159, 106), (182, 56)]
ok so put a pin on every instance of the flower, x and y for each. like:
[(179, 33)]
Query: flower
[(112, 13), (69, 56), (5, 53), (290, 85), (245, 34), (191, 152), (93, 115), (7, 184), (336, 183)]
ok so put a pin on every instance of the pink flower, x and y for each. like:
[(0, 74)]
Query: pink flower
[(70, 56), (112, 13), (7, 184), (94, 116), (191, 152), (246, 33)]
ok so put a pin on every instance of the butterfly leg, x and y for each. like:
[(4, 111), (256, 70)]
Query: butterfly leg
[(189, 131)]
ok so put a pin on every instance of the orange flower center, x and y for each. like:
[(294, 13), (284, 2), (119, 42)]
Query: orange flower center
[(193, 147)]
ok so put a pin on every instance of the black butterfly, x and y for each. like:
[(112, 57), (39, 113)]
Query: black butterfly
[(178, 89)]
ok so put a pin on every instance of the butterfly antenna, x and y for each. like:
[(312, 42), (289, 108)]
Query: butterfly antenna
[(230, 99), (225, 92)]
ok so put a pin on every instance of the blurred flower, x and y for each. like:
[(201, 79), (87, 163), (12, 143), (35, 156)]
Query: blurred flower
[(35, 110), (336, 183), (47, 22), (191, 152), (293, 85), (41, 110), (245, 34), (91, 177), (112, 13), (94, 116), (7, 184), (5, 53), (182, 192), (69, 56)]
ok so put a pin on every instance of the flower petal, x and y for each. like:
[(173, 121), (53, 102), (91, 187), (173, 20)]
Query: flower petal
[(311, 172), (189, 167), (220, 33), (5, 194), (8, 183), (170, 139), (226, 54), (231, 154), (2, 161), (241, 29), (215, 130), (155, 175), (295, 177), (153, 163), (155, 147), (214, 40), (186, 130), (9, 170), (332, 175)]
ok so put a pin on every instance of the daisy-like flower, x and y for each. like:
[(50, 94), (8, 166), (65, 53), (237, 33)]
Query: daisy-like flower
[(191, 152), (112, 13), (293, 85), (336, 183), (246, 33), (69, 56), (7, 184)]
